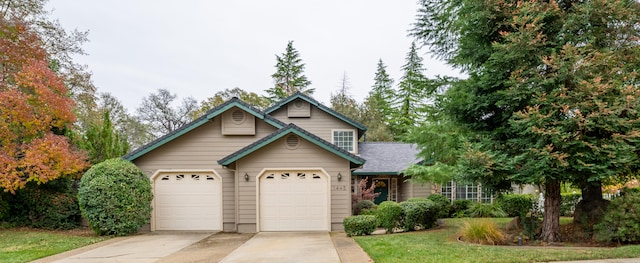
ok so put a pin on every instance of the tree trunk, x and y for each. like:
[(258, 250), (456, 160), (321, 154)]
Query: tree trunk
[(551, 222), (590, 210)]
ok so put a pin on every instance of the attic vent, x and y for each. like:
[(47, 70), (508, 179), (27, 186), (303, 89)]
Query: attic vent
[(298, 104), (292, 142), (237, 116)]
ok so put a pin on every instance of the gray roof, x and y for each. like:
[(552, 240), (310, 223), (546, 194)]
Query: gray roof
[(386, 157)]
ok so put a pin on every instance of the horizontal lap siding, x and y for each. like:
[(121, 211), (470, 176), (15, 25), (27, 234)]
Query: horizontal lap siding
[(201, 148), (278, 156), (320, 123)]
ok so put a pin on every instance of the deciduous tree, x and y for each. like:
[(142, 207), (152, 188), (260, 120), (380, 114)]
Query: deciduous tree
[(343, 102), (258, 101), (157, 112)]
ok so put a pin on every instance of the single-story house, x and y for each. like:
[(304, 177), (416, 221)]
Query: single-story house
[(291, 167)]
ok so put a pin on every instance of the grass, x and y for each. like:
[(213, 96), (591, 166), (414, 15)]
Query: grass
[(483, 231), (441, 245), (25, 244)]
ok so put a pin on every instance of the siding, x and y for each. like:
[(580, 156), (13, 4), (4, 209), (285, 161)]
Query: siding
[(200, 149), (278, 156), (320, 123), (408, 190)]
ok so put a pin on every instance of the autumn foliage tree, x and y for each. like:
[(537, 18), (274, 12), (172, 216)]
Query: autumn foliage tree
[(35, 111)]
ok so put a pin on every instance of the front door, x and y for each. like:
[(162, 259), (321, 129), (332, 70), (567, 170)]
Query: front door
[(382, 187)]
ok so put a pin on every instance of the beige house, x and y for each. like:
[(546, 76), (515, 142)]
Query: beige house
[(292, 167)]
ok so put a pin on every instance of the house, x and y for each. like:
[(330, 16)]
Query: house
[(291, 167)]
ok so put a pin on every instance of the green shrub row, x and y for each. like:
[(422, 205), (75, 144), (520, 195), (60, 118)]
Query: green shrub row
[(515, 204), (360, 225)]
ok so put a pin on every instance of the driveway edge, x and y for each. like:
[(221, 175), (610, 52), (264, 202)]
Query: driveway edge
[(79, 250), (348, 250)]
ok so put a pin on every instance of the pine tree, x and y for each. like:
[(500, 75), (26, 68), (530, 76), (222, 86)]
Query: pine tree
[(289, 77), (102, 141), (376, 108), (409, 100)]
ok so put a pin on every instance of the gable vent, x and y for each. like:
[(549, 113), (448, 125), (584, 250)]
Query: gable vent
[(292, 142), (237, 116)]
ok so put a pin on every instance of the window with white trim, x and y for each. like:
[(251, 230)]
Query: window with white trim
[(345, 139)]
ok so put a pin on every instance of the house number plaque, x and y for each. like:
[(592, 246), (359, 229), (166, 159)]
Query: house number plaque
[(339, 188)]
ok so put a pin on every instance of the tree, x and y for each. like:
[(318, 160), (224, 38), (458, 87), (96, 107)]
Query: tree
[(102, 141), (135, 133), (409, 100), (289, 77), (343, 102), (551, 93), (220, 97), (156, 112), (36, 112), (376, 108)]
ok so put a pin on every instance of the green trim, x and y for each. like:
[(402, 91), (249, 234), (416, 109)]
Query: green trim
[(201, 122), (319, 106), (166, 140), (282, 134), (376, 173)]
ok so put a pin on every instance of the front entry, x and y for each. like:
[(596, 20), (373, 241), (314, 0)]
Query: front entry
[(294, 201), (382, 187)]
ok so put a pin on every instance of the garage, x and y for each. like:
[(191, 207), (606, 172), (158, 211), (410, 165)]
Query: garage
[(188, 201), (294, 201)]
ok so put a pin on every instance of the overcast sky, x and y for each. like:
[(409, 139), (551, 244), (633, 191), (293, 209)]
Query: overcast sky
[(196, 48)]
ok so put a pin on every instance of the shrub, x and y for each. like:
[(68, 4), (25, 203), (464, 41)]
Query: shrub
[(482, 232), (515, 204), (115, 197), (363, 205), (442, 203), (485, 210), (621, 223), (363, 193), (429, 218), (360, 225), (389, 215), (50, 206), (4, 208), (568, 202), (459, 208), (413, 214)]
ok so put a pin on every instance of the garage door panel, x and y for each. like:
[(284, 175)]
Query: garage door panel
[(188, 202), (293, 201)]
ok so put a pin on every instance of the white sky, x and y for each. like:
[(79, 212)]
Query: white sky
[(196, 48)]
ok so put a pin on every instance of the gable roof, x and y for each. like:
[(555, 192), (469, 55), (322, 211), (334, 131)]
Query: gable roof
[(298, 95), (233, 102), (388, 158), (291, 128)]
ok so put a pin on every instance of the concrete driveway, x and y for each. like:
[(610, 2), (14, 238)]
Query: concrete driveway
[(136, 249), (286, 247)]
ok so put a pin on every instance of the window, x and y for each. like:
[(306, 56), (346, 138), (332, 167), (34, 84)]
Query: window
[(471, 192), (345, 140)]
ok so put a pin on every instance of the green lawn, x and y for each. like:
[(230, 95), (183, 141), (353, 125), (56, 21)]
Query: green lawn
[(23, 245), (440, 245)]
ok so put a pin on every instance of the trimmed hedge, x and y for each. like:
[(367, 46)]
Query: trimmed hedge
[(360, 225), (442, 203), (389, 215), (515, 204), (418, 212), (363, 206), (115, 197), (621, 222)]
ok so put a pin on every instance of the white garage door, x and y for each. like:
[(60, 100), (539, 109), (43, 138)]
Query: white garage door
[(294, 201), (188, 201)]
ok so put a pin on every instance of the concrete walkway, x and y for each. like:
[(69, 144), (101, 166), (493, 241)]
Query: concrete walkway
[(286, 247), (136, 249)]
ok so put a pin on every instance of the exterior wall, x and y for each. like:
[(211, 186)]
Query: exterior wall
[(200, 149), (278, 156), (320, 123), (411, 190)]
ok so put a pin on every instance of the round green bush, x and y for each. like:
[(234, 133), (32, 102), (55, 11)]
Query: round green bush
[(621, 222), (389, 215), (360, 225), (363, 205), (413, 214), (515, 204), (115, 197), (442, 203), (459, 208), (429, 218)]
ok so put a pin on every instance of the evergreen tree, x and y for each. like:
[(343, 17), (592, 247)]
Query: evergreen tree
[(343, 102), (376, 108), (289, 77), (551, 95), (409, 101), (102, 141)]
